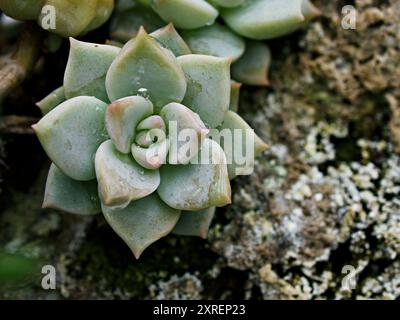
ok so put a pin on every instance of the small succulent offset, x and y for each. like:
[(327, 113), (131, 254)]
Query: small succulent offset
[(108, 132), (219, 27), (72, 17)]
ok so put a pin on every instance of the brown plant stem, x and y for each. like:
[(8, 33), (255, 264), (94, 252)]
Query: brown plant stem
[(15, 68)]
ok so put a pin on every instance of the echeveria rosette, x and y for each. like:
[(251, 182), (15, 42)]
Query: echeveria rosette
[(222, 28), (72, 17), (107, 134)]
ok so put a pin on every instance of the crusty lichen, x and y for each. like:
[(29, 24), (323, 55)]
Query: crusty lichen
[(186, 287), (324, 196)]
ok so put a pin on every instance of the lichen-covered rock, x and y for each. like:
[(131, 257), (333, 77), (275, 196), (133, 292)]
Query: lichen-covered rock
[(186, 287), (323, 197)]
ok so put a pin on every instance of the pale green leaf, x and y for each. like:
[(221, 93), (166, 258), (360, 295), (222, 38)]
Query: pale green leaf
[(144, 64), (86, 69), (123, 116), (216, 40), (244, 150), (195, 223), (267, 19), (252, 68), (194, 187), (152, 157), (51, 101), (143, 222), (71, 133), (235, 96), (189, 129), (171, 40), (121, 180), (64, 193), (186, 14), (208, 86)]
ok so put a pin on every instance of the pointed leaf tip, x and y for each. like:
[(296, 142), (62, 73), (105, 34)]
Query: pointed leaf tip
[(170, 39), (71, 133), (143, 222), (86, 69), (144, 64)]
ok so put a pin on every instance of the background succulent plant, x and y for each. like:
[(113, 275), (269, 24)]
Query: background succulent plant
[(73, 17), (113, 112), (218, 27)]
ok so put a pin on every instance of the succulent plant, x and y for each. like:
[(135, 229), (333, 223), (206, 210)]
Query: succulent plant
[(110, 133), (219, 27), (72, 17)]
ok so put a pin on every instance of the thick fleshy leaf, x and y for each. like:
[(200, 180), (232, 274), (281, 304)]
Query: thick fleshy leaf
[(186, 14), (127, 22), (228, 3), (235, 95), (51, 101), (152, 122), (86, 69), (69, 195), (121, 180), (143, 222), (104, 9), (188, 131), (267, 19), (252, 68), (194, 187), (73, 17), (123, 116), (71, 133), (216, 40), (195, 223), (208, 86), (244, 146), (152, 157), (21, 9), (144, 64), (171, 39)]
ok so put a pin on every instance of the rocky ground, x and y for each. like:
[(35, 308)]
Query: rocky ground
[(321, 209)]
